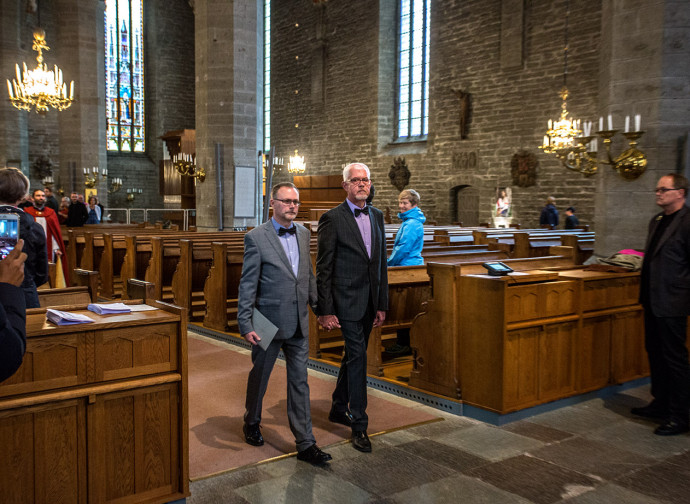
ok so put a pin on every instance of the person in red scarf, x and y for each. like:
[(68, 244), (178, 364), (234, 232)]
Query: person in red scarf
[(48, 220)]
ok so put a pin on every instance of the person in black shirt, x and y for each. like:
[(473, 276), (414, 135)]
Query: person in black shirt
[(571, 220), (665, 297), (77, 215)]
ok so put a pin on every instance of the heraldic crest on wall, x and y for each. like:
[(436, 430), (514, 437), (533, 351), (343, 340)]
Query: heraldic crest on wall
[(523, 168), (399, 173)]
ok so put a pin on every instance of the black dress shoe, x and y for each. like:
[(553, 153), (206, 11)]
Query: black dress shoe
[(360, 441), (652, 410), (252, 435), (314, 456), (343, 418), (671, 428)]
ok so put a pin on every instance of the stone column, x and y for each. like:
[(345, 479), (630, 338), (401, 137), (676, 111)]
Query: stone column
[(228, 49), (645, 65), (80, 49), (15, 46)]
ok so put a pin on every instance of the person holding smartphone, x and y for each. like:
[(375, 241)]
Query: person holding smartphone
[(12, 312), (14, 186)]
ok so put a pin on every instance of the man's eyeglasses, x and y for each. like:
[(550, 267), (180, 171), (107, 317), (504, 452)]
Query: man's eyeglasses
[(295, 202), (664, 190), (357, 180)]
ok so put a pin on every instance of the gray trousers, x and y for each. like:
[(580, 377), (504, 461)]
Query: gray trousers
[(296, 350)]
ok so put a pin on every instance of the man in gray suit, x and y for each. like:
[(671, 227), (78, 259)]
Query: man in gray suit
[(352, 282), (665, 296), (278, 280)]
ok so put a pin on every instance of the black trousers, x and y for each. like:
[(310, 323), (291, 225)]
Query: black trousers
[(351, 387), (668, 362)]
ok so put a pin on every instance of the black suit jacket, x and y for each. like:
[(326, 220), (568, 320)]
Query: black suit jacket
[(669, 267), (345, 275)]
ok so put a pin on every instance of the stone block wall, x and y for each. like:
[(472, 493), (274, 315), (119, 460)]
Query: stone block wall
[(510, 106)]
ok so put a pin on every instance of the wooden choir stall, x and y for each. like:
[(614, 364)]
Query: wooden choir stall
[(545, 332), (98, 411)]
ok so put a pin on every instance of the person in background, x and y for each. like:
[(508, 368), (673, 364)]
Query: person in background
[(549, 214), (51, 201), (94, 211), (77, 215), (14, 186), (352, 281), (63, 211), (407, 251), (12, 312), (571, 220), (48, 220), (278, 281), (665, 297)]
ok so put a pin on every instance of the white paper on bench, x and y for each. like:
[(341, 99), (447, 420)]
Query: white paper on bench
[(106, 308), (66, 318), (141, 307)]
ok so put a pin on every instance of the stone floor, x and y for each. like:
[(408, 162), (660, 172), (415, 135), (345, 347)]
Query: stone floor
[(593, 452)]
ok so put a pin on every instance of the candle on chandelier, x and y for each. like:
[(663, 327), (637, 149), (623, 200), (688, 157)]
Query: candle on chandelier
[(627, 123), (546, 141), (601, 123), (638, 119), (610, 122)]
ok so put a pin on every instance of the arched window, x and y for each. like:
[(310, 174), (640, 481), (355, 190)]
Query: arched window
[(124, 75), (413, 69)]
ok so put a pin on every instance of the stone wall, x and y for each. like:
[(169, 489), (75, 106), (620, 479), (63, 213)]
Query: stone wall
[(511, 99)]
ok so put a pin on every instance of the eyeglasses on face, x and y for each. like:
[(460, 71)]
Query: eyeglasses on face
[(295, 202), (357, 180), (664, 190)]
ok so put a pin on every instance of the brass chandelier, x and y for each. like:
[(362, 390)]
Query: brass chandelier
[(577, 148), (40, 88)]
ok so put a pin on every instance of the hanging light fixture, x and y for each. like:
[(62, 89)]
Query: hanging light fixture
[(40, 88), (575, 144), (296, 164)]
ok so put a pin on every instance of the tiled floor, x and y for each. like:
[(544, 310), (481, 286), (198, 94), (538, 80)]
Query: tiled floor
[(593, 452)]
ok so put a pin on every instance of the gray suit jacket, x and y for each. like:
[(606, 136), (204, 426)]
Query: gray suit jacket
[(345, 275), (669, 267), (268, 282)]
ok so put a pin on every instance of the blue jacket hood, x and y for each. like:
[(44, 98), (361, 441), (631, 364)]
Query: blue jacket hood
[(413, 213)]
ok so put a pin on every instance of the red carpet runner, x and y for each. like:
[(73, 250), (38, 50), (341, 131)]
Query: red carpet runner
[(217, 386)]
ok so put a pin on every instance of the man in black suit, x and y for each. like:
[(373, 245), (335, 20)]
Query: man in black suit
[(352, 283), (665, 296)]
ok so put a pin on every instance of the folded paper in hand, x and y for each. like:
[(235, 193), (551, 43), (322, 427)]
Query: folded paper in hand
[(264, 328), (66, 318), (106, 308)]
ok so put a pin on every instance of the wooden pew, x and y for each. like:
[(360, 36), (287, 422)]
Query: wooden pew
[(222, 287), (63, 296)]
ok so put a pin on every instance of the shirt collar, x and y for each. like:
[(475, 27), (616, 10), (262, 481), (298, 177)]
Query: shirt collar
[(277, 226), (353, 206)]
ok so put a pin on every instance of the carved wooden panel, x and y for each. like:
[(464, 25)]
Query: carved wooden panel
[(137, 452), (521, 367), (607, 293), (594, 353), (628, 354), (52, 362), (135, 351), (557, 345), (43, 458), (529, 302)]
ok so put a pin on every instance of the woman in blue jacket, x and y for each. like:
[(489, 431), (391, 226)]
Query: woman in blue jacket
[(407, 249)]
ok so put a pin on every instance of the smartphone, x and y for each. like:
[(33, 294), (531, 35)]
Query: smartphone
[(497, 268), (9, 233)]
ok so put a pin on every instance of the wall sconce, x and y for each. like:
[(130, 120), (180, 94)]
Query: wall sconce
[(91, 177), (104, 173), (132, 192), (185, 164), (116, 185), (48, 182)]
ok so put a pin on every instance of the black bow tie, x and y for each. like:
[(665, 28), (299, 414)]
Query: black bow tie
[(282, 231), (364, 210)]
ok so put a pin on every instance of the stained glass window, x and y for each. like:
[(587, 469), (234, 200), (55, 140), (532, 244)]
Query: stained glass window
[(267, 75), (413, 69), (124, 75)]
